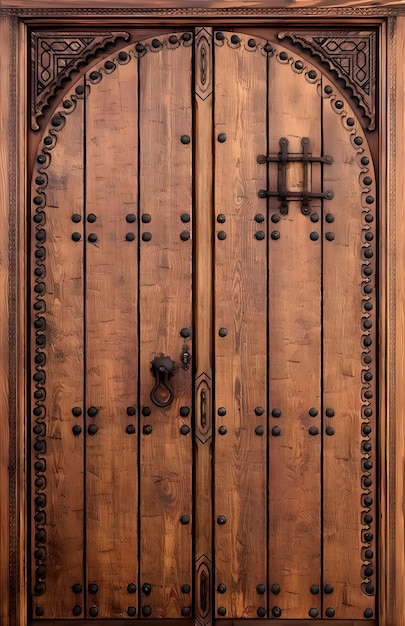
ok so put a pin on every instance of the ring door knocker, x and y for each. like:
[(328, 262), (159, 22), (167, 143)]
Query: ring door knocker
[(162, 393)]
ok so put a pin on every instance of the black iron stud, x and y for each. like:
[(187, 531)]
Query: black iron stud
[(329, 412), (314, 589), (130, 429), (92, 238), (368, 519), (185, 519), (260, 235), (221, 520), (259, 410), (186, 610), (147, 429), (275, 218), (367, 180), (185, 429), (276, 431), (312, 74), (259, 218), (366, 429), (146, 588), (185, 218), (358, 141), (56, 120), (185, 332), (92, 429), (186, 588), (365, 160), (76, 411), (330, 236), (221, 588), (235, 39), (77, 588), (369, 554), (222, 430), (369, 218), (76, 236), (39, 611), (330, 218), (173, 39), (275, 589), (368, 537), (123, 56), (267, 48), (313, 411), (368, 571), (76, 430), (109, 65), (314, 236), (330, 612), (339, 104), (260, 589), (276, 412), (221, 137), (275, 234), (368, 613), (186, 36), (328, 89), (283, 56), (221, 218), (261, 611), (185, 235), (92, 411), (146, 611), (221, 235), (130, 236), (259, 430), (313, 612), (77, 610), (329, 430), (130, 218), (221, 611), (48, 139), (221, 411), (252, 43), (93, 588), (146, 411), (131, 410), (156, 43), (146, 236), (146, 218), (314, 430), (131, 611), (369, 589), (185, 139), (41, 159), (76, 218), (276, 611), (222, 332), (328, 588), (219, 36), (131, 588), (350, 121)]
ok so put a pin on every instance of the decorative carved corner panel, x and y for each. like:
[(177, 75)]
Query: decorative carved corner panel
[(56, 56), (351, 56)]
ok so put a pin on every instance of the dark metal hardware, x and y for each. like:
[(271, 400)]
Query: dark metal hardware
[(259, 430), (131, 588), (131, 410), (131, 611), (330, 612), (261, 611), (221, 520), (185, 611), (185, 217), (221, 137), (221, 611), (184, 411), (130, 429), (185, 332), (221, 218), (77, 588), (368, 613), (185, 235), (76, 236), (222, 430), (276, 431), (130, 218), (330, 236), (146, 588), (260, 589), (146, 411), (77, 610), (146, 236), (276, 611), (221, 588), (330, 412), (314, 589), (92, 238), (314, 236), (130, 236), (222, 332), (146, 218), (162, 369), (76, 218), (328, 589), (313, 431), (260, 235), (39, 611), (284, 157), (92, 411), (147, 429), (185, 429), (313, 412), (93, 588), (185, 139), (185, 519), (91, 218), (275, 589), (313, 612), (221, 235), (259, 410), (330, 431), (76, 430), (92, 429), (76, 411), (221, 411), (185, 588), (146, 611), (93, 611)]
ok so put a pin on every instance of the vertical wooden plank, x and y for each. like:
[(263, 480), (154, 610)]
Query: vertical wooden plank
[(203, 325), (57, 368), (166, 326), (349, 368), (240, 328), (295, 349), (112, 338), (5, 191)]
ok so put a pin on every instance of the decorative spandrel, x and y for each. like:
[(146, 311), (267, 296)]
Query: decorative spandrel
[(56, 56), (351, 56)]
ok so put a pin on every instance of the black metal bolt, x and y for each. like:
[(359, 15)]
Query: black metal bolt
[(76, 430), (368, 613), (221, 520), (185, 235), (76, 236), (92, 411), (313, 612), (261, 611), (260, 235), (313, 412), (276, 611), (185, 519), (275, 588), (146, 411), (260, 589), (185, 588), (76, 218), (131, 410), (221, 137), (222, 430), (130, 429), (185, 139), (92, 238), (131, 588), (259, 410), (276, 412), (146, 236), (221, 588), (222, 332), (330, 412), (130, 236), (185, 429), (330, 612), (146, 611), (93, 588), (185, 218), (131, 611), (39, 611), (221, 218), (77, 588), (221, 611), (276, 431), (328, 89), (221, 235), (314, 236), (147, 429), (235, 39), (130, 218), (77, 610), (330, 236), (330, 431), (259, 430), (186, 610), (275, 234), (314, 589), (91, 218), (328, 588), (259, 218), (313, 431), (92, 429), (146, 588), (221, 411)]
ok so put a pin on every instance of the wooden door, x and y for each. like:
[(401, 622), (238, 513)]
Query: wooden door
[(203, 340)]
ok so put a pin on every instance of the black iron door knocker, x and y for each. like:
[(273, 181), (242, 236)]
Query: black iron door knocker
[(162, 393)]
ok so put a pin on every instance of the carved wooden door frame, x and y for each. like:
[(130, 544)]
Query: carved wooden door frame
[(16, 17)]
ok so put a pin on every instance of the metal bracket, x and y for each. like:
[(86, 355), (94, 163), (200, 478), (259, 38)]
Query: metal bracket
[(284, 157)]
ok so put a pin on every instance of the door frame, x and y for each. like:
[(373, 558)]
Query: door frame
[(15, 18)]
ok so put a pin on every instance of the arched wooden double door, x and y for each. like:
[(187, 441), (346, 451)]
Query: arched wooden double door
[(202, 353)]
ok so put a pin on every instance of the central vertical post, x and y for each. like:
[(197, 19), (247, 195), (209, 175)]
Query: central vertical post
[(203, 326)]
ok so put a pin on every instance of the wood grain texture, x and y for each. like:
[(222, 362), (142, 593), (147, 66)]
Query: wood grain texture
[(165, 309), (61, 481), (240, 307), (295, 350), (112, 338), (5, 150), (343, 369)]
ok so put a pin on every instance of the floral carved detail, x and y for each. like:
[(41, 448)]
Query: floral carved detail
[(55, 56), (351, 56)]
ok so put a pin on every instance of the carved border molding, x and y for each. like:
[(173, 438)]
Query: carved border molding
[(211, 12), (56, 56), (351, 56)]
